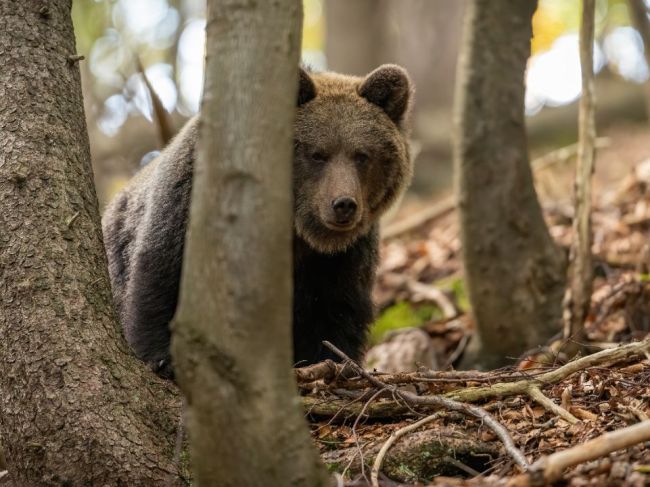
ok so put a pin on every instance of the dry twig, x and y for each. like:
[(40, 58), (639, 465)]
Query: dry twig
[(601, 359), (161, 116), (529, 385), (549, 469), (374, 473), (444, 402)]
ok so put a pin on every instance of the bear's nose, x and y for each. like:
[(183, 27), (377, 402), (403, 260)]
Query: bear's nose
[(344, 209)]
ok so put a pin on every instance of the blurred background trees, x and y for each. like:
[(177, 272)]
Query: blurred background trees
[(167, 36)]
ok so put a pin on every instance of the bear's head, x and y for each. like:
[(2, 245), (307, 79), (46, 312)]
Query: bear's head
[(351, 157)]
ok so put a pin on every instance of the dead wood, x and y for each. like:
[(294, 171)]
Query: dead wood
[(604, 358), (443, 402), (424, 455), (342, 409), (447, 204), (548, 469)]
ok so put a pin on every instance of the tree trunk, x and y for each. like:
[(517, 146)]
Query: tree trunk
[(581, 275), (515, 274), (355, 35), (639, 16), (77, 408), (232, 332)]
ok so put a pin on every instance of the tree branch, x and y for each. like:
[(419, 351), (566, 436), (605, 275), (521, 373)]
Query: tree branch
[(600, 359), (440, 401), (550, 468), (374, 473)]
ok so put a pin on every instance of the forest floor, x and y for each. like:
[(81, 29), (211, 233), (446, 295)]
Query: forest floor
[(425, 325)]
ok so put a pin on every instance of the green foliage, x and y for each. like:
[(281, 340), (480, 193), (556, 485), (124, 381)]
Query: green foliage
[(456, 286), (407, 472), (402, 315), (90, 20), (407, 315)]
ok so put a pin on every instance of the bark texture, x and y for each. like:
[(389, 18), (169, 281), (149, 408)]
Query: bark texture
[(232, 333), (581, 275), (515, 274), (77, 409)]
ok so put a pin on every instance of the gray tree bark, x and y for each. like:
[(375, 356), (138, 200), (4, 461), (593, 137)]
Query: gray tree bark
[(515, 274), (77, 408), (232, 332)]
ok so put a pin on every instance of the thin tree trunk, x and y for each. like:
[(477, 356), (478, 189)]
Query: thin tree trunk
[(578, 295), (232, 333), (515, 274), (639, 16), (77, 409)]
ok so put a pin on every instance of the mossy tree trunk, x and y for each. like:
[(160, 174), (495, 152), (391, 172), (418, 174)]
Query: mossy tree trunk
[(77, 408), (232, 332), (514, 272)]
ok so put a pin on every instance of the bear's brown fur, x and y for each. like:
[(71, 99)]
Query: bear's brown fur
[(351, 161)]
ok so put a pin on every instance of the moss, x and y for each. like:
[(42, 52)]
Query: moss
[(333, 467), (407, 474), (402, 315)]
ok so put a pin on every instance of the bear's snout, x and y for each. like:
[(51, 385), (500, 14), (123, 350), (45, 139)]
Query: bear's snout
[(345, 208)]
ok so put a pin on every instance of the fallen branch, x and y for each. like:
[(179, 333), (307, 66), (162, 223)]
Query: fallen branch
[(441, 401), (339, 408), (330, 375), (416, 220), (374, 473), (550, 468), (538, 396), (432, 293), (513, 384), (425, 455), (604, 358), (326, 370), (448, 203), (161, 116)]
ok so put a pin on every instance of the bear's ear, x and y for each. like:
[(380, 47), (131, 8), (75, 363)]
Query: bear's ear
[(306, 88), (388, 87)]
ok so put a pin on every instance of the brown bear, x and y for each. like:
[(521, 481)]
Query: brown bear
[(351, 161)]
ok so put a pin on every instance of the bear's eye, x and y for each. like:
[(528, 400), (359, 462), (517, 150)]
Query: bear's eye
[(361, 157), (318, 156)]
